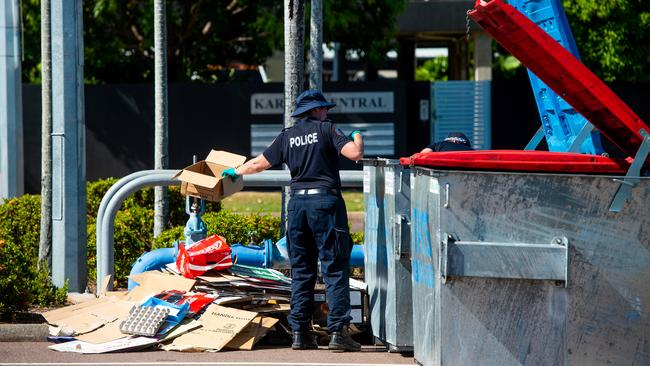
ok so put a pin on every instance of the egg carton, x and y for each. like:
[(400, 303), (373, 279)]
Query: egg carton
[(144, 320)]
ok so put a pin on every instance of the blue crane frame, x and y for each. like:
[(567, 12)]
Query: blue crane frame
[(565, 129)]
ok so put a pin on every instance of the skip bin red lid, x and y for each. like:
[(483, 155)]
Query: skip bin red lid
[(520, 161), (562, 72)]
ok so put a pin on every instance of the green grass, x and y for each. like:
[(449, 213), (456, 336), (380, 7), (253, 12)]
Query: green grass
[(269, 202)]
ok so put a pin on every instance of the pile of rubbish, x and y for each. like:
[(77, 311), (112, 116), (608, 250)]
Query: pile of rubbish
[(201, 302)]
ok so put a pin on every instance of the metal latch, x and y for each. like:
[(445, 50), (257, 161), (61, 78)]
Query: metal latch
[(624, 192), (402, 236)]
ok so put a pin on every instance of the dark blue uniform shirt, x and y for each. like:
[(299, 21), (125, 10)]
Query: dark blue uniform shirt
[(311, 150)]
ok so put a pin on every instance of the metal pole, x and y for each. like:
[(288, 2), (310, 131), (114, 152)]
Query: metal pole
[(316, 46), (11, 106), (335, 62), (482, 56), (294, 70), (68, 147), (160, 150), (45, 243)]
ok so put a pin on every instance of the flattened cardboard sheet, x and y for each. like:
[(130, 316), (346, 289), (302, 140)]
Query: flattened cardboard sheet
[(246, 338), (109, 332), (252, 334), (220, 325), (86, 317)]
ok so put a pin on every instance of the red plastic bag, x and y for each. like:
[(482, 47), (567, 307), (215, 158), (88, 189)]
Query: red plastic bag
[(207, 254)]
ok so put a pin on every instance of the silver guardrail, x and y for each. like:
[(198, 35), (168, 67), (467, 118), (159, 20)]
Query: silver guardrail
[(130, 184)]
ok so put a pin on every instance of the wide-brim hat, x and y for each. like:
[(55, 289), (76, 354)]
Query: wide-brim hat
[(310, 99)]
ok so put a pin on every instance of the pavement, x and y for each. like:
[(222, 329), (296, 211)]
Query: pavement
[(26, 344), (37, 353)]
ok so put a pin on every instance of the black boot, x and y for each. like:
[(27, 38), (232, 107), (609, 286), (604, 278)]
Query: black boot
[(341, 341), (304, 340)]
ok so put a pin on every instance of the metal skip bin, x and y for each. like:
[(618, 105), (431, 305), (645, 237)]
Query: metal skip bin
[(387, 263), (529, 269), (532, 257)]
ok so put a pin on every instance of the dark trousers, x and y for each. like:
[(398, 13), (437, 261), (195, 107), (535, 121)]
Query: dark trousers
[(318, 229)]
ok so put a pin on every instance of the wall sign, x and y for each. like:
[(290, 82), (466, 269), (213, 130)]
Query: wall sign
[(346, 102)]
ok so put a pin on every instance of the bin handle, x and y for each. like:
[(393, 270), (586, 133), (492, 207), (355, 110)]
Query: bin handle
[(397, 236), (401, 228), (446, 205), (399, 187), (550, 261)]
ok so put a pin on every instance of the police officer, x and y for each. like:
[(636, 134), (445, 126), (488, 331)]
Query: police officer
[(317, 217), (455, 141)]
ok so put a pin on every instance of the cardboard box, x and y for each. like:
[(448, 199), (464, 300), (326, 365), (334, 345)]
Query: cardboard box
[(358, 305), (203, 179)]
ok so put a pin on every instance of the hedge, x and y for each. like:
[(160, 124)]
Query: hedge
[(22, 284)]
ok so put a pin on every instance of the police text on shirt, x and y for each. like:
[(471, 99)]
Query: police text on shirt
[(308, 139)]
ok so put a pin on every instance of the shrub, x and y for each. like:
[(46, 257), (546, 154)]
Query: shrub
[(21, 282), (249, 229), (95, 191), (133, 226), (168, 237), (235, 228), (357, 238), (142, 198)]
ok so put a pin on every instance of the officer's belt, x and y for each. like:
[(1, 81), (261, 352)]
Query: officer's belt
[(302, 192)]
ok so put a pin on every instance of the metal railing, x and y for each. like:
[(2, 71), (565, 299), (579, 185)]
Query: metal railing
[(126, 186)]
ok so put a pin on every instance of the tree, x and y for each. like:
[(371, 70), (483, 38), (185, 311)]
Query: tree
[(45, 239), (160, 156), (434, 69), (204, 38), (367, 26), (612, 37), (207, 40)]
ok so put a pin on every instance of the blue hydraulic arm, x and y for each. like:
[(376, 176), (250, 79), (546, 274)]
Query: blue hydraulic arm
[(565, 129)]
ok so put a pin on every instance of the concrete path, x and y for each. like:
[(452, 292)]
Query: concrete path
[(37, 353)]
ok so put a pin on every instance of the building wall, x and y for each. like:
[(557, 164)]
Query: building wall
[(120, 132), (120, 129)]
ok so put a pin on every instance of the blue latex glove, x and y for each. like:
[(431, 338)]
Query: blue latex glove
[(230, 172), (351, 136)]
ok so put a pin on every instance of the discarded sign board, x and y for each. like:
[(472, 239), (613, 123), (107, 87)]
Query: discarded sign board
[(220, 326)]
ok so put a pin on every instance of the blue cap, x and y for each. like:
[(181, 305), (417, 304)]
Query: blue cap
[(310, 99), (458, 138)]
